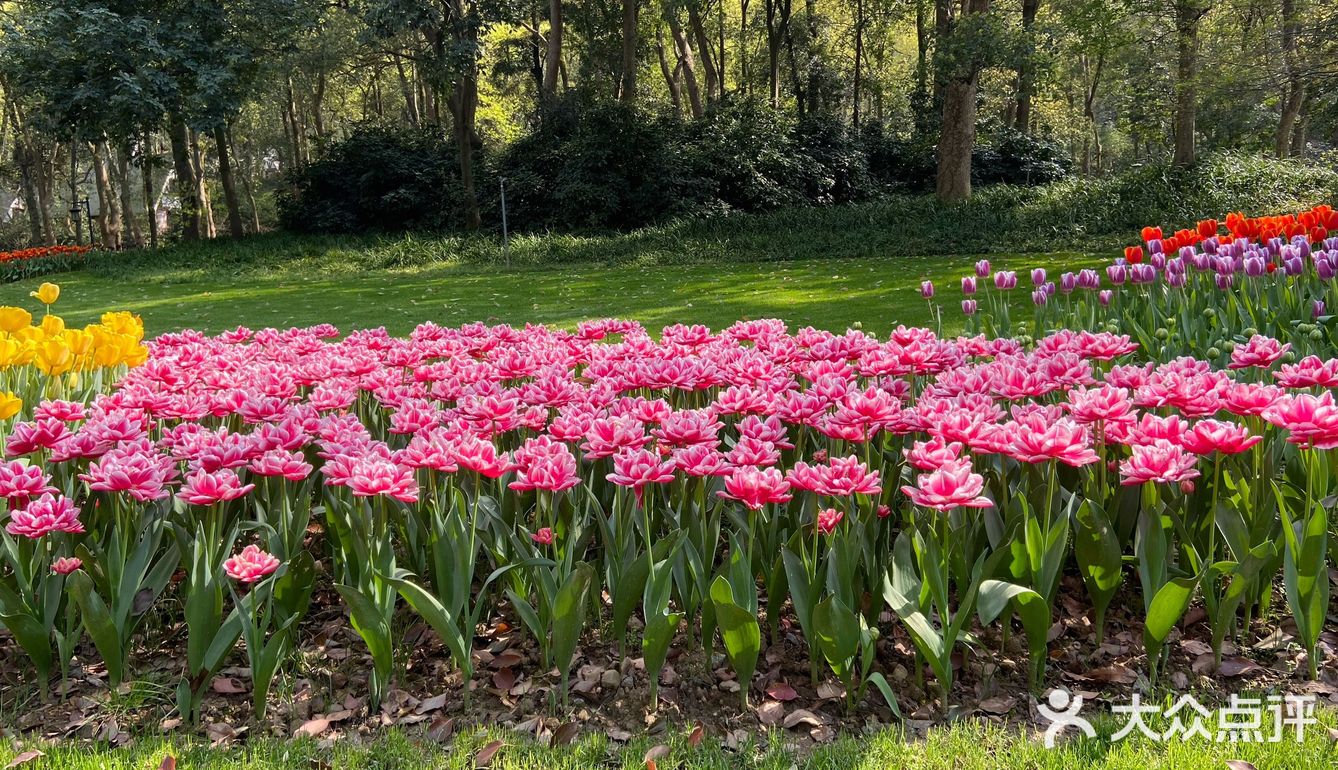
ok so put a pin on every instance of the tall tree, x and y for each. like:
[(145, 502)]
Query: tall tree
[(1188, 14), (957, 130)]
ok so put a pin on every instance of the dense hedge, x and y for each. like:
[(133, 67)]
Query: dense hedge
[(594, 164)]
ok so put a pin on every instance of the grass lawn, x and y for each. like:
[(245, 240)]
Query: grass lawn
[(307, 288), (965, 745)]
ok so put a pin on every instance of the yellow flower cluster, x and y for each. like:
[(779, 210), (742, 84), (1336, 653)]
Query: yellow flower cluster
[(61, 354)]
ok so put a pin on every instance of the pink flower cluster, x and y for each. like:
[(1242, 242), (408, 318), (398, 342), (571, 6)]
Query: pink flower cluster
[(208, 418)]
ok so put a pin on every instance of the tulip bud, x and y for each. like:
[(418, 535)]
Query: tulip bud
[(1214, 353), (1113, 466), (1317, 335), (1187, 487), (1209, 312), (1162, 334)]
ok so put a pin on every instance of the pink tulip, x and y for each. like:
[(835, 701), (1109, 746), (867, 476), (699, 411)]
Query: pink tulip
[(951, 486), (1208, 436), (637, 468), (65, 565), (1161, 461), (20, 482), (250, 564), (933, 454), (756, 487), (1260, 351), (44, 515), (206, 488), (543, 537), (828, 519)]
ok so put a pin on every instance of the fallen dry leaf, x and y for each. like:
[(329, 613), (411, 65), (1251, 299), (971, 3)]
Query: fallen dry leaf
[(169, 763), (485, 755), (656, 753), (312, 727), (802, 717), (695, 737), (24, 758), (782, 691), (830, 690), (431, 704), (771, 713), (504, 679), (999, 704), (1113, 674), (441, 729), (565, 734), (226, 685), (1238, 667)]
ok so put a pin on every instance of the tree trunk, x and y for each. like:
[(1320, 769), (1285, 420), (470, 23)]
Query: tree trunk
[(410, 98), (685, 60), (957, 135), (202, 187), (703, 43), (627, 80), (246, 166), (146, 176), (553, 54), (859, 59), (778, 22), (1187, 16), (812, 57), (225, 176), (1025, 72), (128, 217), (109, 209), (670, 73), (1293, 90), (317, 103), (745, 85), (187, 186), (29, 176)]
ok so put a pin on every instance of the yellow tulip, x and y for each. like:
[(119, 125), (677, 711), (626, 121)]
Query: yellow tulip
[(13, 319), (47, 293), (80, 342), (54, 357), (53, 325), (10, 405), (11, 352)]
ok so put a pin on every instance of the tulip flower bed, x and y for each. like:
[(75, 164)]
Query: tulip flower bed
[(711, 491), (40, 260), (1197, 292)]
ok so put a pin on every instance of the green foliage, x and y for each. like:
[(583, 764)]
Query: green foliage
[(593, 163), (379, 178)]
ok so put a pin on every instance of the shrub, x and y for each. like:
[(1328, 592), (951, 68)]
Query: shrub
[(593, 163), (378, 178)]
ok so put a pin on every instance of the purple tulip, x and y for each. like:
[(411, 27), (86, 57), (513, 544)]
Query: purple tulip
[(969, 306), (1224, 281), (1005, 279), (1201, 261), (1186, 253), (1105, 296), (1325, 269), (1157, 260), (1117, 273), (1049, 288), (1176, 279), (969, 285), (1294, 266), (982, 268), (1089, 279), (1155, 246), (1255, 266), (1038, 276), (1039, 297), (1143, 274), (927, 289), (1317, 308), (1068, 282)]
